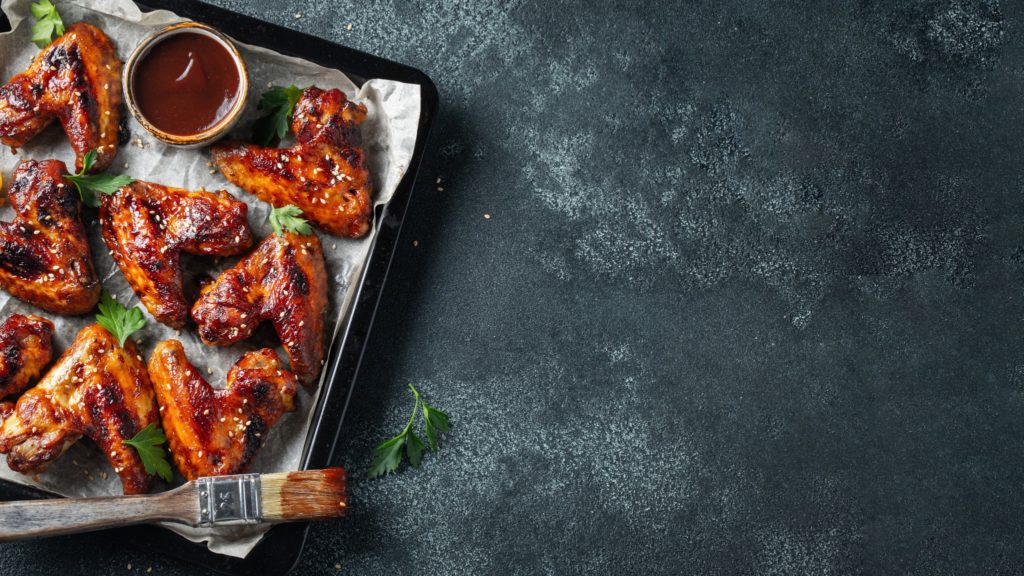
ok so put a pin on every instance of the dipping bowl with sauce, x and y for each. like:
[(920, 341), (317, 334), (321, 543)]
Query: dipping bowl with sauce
[(186, 84)]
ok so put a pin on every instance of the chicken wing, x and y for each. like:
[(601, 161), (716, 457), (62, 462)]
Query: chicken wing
[(97, 389), (283, 280), (215, 432), (324, 174), (147, 226), (44, 253), (26, 347), (76, 79)]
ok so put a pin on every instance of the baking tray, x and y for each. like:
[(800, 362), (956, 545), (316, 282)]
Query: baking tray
[(281, 547)]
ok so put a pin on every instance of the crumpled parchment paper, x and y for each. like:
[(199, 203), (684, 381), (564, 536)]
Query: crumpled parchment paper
[(389, 135)]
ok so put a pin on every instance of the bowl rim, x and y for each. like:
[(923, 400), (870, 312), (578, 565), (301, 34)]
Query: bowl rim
[(222, 125)]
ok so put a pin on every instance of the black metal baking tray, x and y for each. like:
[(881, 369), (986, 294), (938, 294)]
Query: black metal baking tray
[(281, 547)]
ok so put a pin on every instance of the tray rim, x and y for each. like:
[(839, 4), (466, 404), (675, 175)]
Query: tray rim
[(281, 547)]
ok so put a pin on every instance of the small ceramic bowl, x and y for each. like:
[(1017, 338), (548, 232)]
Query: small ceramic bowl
[(224, 124)]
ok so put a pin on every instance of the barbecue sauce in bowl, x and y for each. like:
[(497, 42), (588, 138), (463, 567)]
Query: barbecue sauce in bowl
[(187, 84)]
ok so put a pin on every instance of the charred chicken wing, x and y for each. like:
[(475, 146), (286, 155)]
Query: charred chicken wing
[(147, 226), (26, 347), (97, 389), (76, 79), (44, 253), (215, 432), (282, 281), (324, 174)]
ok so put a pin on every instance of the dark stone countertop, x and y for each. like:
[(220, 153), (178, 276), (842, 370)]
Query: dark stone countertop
[(745, 304)]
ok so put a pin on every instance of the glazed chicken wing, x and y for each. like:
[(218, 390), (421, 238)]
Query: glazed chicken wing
[(324, 174), (26, 347), (76, 79), (44, 253), (147, 226), (216, 432), (96, 389), (283, 280)]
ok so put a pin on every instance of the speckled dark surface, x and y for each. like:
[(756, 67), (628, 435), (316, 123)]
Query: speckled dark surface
[(748, 301)]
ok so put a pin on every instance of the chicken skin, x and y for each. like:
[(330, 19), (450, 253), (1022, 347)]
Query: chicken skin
[(77, 80), (146, 228), (44, 253), (97, 389), (283, 280), (26, 347), (216, 432), (324, 174)]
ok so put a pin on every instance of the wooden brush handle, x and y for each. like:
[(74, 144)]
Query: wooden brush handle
[(59, 516)]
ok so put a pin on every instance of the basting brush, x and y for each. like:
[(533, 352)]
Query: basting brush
[(206, 502)]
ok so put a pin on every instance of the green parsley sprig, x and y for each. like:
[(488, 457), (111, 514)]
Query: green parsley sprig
[(89, 185), (277, 105), (48, 23), (287, 218), (120, 321), (388, 455), (147, 443)]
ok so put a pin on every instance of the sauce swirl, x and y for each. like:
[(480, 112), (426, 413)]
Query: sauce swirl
[(186, 83)]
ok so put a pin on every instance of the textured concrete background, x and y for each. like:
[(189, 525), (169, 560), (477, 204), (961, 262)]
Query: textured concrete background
[(748, 301)]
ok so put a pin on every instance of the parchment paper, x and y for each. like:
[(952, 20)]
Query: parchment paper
[(389, 134)]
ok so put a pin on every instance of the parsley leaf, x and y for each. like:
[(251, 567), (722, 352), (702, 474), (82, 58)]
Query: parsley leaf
[(287, 218), (120, 321), (147, 443), (277, 104), (90, 184), (48, 23), (388, 455), (435, 422), (414, 449)]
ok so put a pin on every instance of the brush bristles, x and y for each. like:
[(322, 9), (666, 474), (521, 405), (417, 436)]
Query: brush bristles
[(307, 495)]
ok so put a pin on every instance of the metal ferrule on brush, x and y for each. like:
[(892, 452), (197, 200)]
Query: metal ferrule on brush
[(230, 500)]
